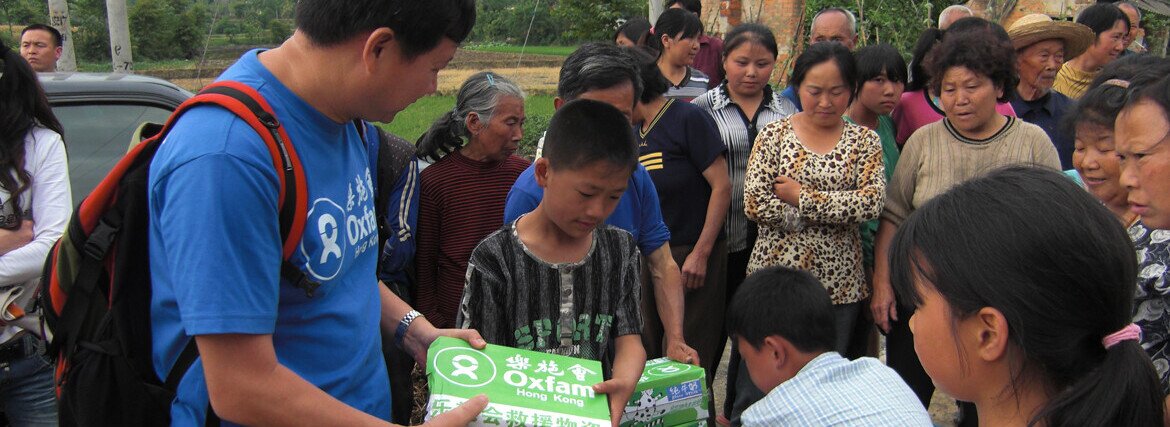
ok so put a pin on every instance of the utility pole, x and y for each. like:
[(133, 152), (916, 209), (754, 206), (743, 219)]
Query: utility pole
[(59, 19), (656, 8), (119, 36)]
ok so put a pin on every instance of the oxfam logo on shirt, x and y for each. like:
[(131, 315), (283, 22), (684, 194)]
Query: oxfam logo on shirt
[(324, 239), (464, 366)]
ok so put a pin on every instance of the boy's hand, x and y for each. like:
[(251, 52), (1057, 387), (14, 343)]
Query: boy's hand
[(462, 415), (680, 352), (422, 333), (618, 392)]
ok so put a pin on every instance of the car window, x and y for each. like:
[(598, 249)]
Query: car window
[(97, 136)]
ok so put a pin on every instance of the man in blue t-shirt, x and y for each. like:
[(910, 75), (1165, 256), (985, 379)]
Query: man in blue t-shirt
[(606, 73), (270, 353)]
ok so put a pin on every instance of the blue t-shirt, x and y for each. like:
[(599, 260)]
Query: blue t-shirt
[(215, 248), (637, 212), (681, 143), (790, 94)]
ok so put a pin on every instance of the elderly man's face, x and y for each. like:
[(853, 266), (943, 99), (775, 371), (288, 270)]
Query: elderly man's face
[(833, 26), (1039, 63)]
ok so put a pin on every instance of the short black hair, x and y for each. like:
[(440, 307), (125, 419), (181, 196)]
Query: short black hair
[(984, 52), (785, 302), (750, 33), (1101, 17), (636, 29), (58, 40), (673, 23), (877, 59), (1156, 91), (654, 84), (584, 131), (419, 26), (694, 6), (818, 53), (595, 66)]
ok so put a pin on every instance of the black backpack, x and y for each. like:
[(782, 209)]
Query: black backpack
[(97, 278)]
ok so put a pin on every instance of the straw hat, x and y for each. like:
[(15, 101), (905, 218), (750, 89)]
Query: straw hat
[(1038, 27)]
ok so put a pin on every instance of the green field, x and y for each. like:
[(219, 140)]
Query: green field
[(535, 50), (412, 122)]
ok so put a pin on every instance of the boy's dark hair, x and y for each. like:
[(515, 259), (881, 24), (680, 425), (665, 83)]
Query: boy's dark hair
[(654, 84), (584, 131), (1101, 17), (822, 52), (986, 52), (877, 59), (58, 40), (986, 243), (693, 6), (418, 26), (673, 23), (785, 302), (596, 66)]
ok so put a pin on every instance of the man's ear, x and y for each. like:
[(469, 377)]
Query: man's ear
[(558, 102), (541, 172), (382, 41), (989, 328), (777, 350)]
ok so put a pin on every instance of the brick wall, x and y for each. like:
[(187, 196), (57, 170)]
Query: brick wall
[(782, 16)]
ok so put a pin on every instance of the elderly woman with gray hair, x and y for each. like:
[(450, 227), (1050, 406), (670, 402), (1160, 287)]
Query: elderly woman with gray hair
[(461, 196)]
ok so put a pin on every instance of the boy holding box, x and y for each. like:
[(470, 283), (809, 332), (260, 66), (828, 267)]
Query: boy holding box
[(557, 279), (782, 321)]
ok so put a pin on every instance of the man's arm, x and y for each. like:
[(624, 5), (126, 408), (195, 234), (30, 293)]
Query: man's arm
[(421, 332), (628, 362), (670, 300), (248, 386)]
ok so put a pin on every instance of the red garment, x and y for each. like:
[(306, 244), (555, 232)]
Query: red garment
[(461, 201), (709, 60)]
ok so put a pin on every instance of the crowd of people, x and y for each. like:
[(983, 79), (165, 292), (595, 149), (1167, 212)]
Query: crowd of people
[(676, 201)]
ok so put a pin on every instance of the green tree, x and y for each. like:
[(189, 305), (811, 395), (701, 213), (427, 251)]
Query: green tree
[(585, 20), (508, 22)]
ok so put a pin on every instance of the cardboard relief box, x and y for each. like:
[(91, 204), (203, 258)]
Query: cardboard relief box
[(668, 394), (524, 388)]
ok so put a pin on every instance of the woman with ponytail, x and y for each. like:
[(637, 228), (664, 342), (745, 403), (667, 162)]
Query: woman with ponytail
[(35, 206), (461, 196), (675, 39), (1032, 335)]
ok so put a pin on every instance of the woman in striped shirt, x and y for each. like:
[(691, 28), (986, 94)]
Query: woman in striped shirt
[(675, 38), (741, 105)]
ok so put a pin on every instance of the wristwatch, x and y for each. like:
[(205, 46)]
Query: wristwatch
[(404, 324)]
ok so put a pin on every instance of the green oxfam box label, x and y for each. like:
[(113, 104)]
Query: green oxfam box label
[(668, 394), (525, 388)]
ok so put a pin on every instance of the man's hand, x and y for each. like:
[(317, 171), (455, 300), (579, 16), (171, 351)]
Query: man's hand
[(694, 270), (614, 390), (462, 415), (11, 240), (787, 189), (678, 351), (421, 334)]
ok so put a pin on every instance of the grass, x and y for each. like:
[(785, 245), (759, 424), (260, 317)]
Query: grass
[(412, 122), (535, 50), (145, 65)]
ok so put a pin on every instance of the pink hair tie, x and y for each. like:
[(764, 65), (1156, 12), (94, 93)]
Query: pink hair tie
[(1129, 332), (652, 31)]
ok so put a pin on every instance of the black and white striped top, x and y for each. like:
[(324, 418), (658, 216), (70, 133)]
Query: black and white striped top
[(739, 133), (693, 85)]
